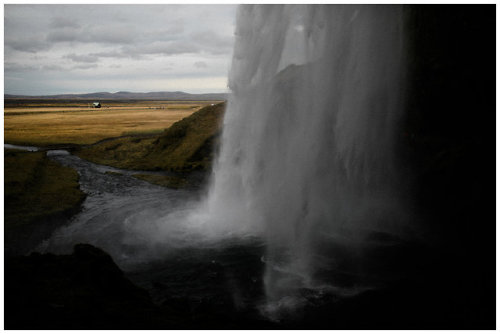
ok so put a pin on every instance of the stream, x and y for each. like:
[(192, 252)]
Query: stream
[(117, 205)]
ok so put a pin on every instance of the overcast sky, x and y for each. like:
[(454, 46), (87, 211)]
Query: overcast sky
[(52, 49)]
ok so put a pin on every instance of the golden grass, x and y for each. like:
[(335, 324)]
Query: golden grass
[(75, 124)]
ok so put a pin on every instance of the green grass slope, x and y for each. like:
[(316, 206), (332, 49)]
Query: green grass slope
[(39, 194), (188, 144)]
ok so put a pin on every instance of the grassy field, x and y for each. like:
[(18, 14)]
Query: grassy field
[(76, 122)]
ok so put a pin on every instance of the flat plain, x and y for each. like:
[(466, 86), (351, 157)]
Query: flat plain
[(44, 123)]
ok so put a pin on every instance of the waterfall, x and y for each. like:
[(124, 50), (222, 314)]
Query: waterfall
[(308, 148), (307, 163)]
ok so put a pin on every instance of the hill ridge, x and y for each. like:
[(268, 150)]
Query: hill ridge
[(124, 95)]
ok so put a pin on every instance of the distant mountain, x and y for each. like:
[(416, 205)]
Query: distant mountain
[(125, 96)]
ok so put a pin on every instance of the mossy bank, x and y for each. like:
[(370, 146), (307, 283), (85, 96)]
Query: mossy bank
[(40, 195)]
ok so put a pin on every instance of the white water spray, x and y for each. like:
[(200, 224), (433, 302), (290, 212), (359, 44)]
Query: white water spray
[(307, 153)]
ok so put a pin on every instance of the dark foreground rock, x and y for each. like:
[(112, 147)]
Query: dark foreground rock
[(84, 290), (87, 290)]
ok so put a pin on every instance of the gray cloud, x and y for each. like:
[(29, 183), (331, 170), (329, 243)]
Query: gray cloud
[(52, 68), (63, 36), (59, 22), (200, 64), (85, 66), (165, 48), (26, 44), (169, 33), (109, 34), (15, 67), (131, 42), (209, 37), (109, 54), (105, 35), (82, 58)]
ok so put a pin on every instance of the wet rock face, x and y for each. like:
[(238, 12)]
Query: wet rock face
[(84, 290), (450, 125)]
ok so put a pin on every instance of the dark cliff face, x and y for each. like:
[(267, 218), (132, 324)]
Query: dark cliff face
[(448, 147), (452, 70), (449, 128)]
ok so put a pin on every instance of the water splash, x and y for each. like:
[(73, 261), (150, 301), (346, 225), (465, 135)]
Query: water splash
[(307, 155)]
